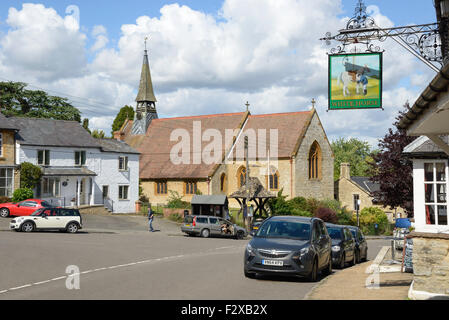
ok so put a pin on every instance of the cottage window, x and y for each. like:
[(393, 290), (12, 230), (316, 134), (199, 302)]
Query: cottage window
[(6, 182), (315, 162), (80, 158), (435, 199), (123, 163), (190, 187), (241, 177), (161, 187), (43, 157), (123, 192)]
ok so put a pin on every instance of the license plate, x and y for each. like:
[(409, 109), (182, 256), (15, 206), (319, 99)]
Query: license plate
[(272, 263), (187, 225)]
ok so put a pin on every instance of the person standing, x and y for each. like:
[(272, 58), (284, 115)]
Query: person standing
[(150, 218)]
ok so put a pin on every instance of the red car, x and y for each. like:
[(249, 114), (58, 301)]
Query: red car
[(23, 208)]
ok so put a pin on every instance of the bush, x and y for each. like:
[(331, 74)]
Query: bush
[(175, 201), (313, 205), (5, 199), (30, 175), (345, 217), (333, 204), (326, 214), (22, 194), (302, 213), (371, 216), (176, 217)]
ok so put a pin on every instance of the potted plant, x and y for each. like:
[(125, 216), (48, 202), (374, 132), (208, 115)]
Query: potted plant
[(72, 202)]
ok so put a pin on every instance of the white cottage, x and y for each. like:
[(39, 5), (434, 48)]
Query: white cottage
[(430, 185), (78, 169)]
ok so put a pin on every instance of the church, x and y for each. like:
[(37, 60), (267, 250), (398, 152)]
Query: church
[(206, 154)]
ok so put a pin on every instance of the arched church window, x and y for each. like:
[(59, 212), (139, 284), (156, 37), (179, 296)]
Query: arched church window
[(315, 161)]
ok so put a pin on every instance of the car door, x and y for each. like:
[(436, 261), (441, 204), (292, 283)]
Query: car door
[(215, 227), (64, 217), (325, 244), (44, 220), (349, 244), (316, 242), (362, 243)]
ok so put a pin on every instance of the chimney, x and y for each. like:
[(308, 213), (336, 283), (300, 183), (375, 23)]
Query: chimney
[(345, 171), (119, 135)]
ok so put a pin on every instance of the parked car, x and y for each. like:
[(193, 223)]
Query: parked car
[(343, 245), (289, 245), (207, 226), (256, 225), (61, 219), (361, 245), (23, 208)]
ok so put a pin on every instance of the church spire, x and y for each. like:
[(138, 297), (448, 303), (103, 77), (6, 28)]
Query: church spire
[(146, 100)]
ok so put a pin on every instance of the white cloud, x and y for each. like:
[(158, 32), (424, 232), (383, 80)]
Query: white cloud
[(201, 63)]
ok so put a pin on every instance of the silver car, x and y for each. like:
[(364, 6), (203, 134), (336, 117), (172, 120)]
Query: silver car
[(207, 226)]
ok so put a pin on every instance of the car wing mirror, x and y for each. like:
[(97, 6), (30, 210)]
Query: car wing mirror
[(252, 233)]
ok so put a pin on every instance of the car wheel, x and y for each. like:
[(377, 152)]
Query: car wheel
[(4, 212), (250, 275), (27, 226), (205, 233), (343, 261), (72, 228), (314, 272), (239, 235)]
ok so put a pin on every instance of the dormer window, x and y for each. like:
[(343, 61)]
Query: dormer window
[(80, 158)]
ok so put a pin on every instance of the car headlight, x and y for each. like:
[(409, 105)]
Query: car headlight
[(304, 251), (249, 249), (336, 248)]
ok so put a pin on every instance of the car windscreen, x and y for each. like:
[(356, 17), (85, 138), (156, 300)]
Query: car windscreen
[(46, 204), (37, 212), (354, 233), (284, 229), (334, 233)]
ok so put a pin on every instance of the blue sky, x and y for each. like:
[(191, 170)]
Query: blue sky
[(207, 57)]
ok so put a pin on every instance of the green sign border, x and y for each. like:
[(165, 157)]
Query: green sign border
[(380, 54)]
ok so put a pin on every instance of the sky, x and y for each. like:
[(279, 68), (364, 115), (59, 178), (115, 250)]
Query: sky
[(206, 56)]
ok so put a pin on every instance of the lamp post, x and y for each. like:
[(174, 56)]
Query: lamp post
[(358, 208)]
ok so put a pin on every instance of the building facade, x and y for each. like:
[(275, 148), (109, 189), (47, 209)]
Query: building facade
[(78, 170), (9, 172)]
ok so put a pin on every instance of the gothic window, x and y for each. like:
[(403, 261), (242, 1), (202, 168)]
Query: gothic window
[(190, 187), (315, 162), (273, 180), (223, 182), (241, 176)]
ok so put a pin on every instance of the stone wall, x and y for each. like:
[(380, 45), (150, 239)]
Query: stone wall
[(149, 190), (8, 149), (431, 263)]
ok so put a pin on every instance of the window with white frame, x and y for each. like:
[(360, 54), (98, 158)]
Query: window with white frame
[(1, 144), (43, 157), (6, 182), (435, 185), (80, 158), (123, 192), (123, 163), (51, 187)]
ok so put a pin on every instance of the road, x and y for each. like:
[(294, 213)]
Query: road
[(118, 259)]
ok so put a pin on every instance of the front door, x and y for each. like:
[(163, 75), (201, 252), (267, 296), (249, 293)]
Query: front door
[(82, 187)]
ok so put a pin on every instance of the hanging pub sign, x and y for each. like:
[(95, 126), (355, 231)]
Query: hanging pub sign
[(355, 81)]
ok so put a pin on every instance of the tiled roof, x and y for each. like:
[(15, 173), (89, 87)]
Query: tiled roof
[(156, 146), (112, 145), (423, 145), (366, 184), (7, 123)]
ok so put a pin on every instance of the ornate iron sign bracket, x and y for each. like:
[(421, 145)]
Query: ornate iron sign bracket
[(423, 40)]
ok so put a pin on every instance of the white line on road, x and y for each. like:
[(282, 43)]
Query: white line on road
[(210, 251)]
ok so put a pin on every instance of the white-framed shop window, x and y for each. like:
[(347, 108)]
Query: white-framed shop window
[(435, 192)]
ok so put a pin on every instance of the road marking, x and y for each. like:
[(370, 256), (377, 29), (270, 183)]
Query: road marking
[(210, 251)]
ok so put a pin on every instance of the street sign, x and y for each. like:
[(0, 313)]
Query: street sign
[(355, 81)]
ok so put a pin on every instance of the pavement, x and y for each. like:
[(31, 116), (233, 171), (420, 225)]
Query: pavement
[(118, 258), (361, 283)]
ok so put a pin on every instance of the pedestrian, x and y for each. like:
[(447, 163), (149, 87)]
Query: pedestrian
[(150, 218)]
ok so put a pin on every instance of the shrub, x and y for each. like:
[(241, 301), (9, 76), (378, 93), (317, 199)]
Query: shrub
[(22, 194), (302, 213), (176, 217), (333, 204), (313, 205), (5, 199), (175, 201), (298, 203), (30, 175), (279, 206), (326, 214), (371, 216), (345, 217)]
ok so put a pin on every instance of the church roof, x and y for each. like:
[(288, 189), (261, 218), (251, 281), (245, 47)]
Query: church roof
[(155, 146), (155, 162), (146, 92)]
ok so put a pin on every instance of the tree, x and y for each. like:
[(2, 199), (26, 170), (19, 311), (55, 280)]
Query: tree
[(355, 152), (16, 100), (392, 170), (30, 175), (98, 134), (126, 112), (86, 124)]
